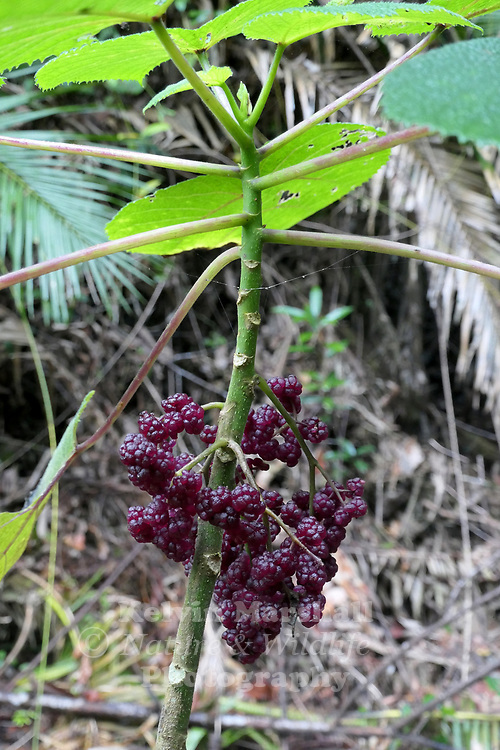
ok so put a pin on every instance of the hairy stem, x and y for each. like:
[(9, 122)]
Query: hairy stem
[(366, 148), (118, 154), (207, 97), (374, 245), (174, 720), (330, 109), (114, 246)]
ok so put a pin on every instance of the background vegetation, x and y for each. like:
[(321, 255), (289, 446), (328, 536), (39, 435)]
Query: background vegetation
[(407, 384)]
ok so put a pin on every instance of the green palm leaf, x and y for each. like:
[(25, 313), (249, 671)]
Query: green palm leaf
[(50, 207)]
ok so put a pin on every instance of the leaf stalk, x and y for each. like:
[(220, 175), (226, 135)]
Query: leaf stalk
[(375, 245), (117, 154), (367, 148), (114, 246)]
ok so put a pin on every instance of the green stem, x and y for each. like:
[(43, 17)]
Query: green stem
[(174, 720), (340, 157), (330, 109), (127, 243), (232, 127), (118, 154), (266, 89), (202, 456), (374, 245)]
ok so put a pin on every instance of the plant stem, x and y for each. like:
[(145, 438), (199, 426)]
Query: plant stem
[(330, 109), (374, 245), (118, 154), (174, 720), (127, 243), (208, 98), (266, 89), (366, 148)]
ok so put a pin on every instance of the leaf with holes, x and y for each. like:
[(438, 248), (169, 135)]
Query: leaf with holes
[(199, 198), (453, 90), (209, 197), (16, 528), (214, 76), (35, 29), (289, 26), (285, 205)]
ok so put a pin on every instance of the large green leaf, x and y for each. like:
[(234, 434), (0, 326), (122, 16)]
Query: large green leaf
[(35, 29), (133, 57), (125, 58), (228, 24), (16, 528), (214, 76), (289, 26), (469, 8), (283, 206), (454, 90), (199, 198)]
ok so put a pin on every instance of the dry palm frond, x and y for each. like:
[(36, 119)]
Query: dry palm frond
[(455, 214)]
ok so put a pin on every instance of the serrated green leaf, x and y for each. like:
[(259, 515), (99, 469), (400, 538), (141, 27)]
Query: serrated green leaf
[(282, 206), (133, 57), (199, 198), (453, 90), (285, 205), (35, 29), (228, 24), (16, 528), (469, 8), (214, 76), (126, 58), (292, 25)]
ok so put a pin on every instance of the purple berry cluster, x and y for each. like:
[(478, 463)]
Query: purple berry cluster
[(262, 577)]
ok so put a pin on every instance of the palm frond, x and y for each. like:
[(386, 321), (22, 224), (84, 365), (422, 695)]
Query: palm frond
[(456, 214), (49, 207)]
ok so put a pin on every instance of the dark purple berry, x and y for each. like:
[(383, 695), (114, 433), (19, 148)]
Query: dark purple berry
[(139, 528), (208, 435), (313, 429)]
